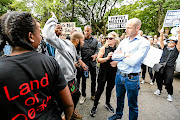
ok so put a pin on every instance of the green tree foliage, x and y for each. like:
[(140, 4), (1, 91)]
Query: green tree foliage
[(5, 6), (151, 12)]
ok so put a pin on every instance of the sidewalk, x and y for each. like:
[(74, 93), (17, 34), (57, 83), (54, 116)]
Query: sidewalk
[(151, 107)]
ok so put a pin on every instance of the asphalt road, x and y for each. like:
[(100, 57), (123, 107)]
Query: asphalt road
[(151, 107)]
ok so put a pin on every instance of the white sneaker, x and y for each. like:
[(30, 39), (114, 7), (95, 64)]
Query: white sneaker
[(157, 92), (142, 82), (151, 83), (82, 100), (169, 98)]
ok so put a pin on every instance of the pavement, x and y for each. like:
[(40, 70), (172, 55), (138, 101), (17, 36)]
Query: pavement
[(151, 107)]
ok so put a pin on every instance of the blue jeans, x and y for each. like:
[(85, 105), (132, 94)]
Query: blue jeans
[(132, 87)]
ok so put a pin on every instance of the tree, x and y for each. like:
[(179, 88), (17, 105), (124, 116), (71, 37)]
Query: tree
[(151, 12), (93, 12), (5, 6)]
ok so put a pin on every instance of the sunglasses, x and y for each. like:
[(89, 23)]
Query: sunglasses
[(170, 41), (109, 38)]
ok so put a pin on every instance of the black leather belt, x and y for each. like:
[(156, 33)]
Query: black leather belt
[(130, 75)]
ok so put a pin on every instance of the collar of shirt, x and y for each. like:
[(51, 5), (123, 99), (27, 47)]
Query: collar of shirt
[(170, 48), (133, 64)]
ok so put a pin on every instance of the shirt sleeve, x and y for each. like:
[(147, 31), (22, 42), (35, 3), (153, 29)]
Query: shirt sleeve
[(139, 55), (97, 48), (118, 57), (49, 33)]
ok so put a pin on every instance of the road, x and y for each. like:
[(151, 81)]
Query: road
[(151, 107)]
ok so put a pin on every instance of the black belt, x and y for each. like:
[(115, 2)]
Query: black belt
[(130, 75)]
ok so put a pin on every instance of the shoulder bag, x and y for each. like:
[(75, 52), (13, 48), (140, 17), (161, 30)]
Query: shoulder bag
[(159, 67)]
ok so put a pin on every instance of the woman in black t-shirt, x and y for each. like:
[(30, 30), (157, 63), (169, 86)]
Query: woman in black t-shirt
[(172, 48), (31, 83)]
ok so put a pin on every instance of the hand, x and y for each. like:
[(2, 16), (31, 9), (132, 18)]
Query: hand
[(114, 63), (52, 14), (85, 67), (161, 31), (127, 55), (109, 55), (94, 57), (178, 30), (76, 64)]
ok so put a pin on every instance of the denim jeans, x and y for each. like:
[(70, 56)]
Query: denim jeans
[(132, 87)]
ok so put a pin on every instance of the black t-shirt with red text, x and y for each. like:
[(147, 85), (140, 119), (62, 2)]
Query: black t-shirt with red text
[(29, 87)]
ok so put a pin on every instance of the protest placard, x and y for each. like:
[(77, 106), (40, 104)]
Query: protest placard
[(117, 22), (153, 57), (172, 18), (68, 26)]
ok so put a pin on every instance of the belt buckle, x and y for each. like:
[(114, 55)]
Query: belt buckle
[(130, 76)]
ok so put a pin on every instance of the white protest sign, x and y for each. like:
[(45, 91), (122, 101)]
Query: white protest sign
[(153, 57), (68, 26), (117, 22), (178, 64), (172, 18), (78, 29)]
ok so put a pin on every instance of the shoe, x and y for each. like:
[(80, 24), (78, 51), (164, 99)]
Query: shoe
[(92, 97), (115, 117), (82, 100), (142, 82), (169, 98), (76, 116), (151, 83), (93, 111), (109, 107), (157, 92)]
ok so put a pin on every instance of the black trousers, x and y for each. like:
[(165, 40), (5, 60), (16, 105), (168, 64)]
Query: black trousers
[(143, 67), (92, 70), (101, 84), (166, 78)]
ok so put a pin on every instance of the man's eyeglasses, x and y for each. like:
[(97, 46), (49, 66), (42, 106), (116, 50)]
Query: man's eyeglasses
[(170, 41), (109, 38)]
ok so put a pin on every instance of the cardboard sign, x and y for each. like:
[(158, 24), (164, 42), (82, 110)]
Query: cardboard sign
[(68, 26), (153, 57), (117, 22), (172, 18)]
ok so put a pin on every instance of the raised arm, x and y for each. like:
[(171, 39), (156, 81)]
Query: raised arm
[(161, 38), (49, 33), (178, 44)]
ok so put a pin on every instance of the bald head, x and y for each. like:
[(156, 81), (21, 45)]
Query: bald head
[(132, 27), (135, 21)]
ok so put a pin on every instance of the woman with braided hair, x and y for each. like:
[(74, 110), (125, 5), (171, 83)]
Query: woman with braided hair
[(31, 83)]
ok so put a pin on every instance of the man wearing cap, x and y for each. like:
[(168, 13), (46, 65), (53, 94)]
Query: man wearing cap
[(172, 48)]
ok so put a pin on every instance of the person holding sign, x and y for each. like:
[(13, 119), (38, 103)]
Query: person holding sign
[(169, 56), (129, 55)]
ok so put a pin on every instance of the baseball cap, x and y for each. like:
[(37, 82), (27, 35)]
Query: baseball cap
[(172, 38)]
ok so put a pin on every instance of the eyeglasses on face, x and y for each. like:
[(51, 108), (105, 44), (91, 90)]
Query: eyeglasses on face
[(170, 41), (109, 38)]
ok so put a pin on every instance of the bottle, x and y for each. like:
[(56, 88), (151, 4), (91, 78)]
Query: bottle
[(86, 73)]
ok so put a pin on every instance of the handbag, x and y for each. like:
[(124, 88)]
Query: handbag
[(159, 67)]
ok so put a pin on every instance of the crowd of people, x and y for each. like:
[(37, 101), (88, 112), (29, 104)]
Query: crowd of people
[(47, 68)]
